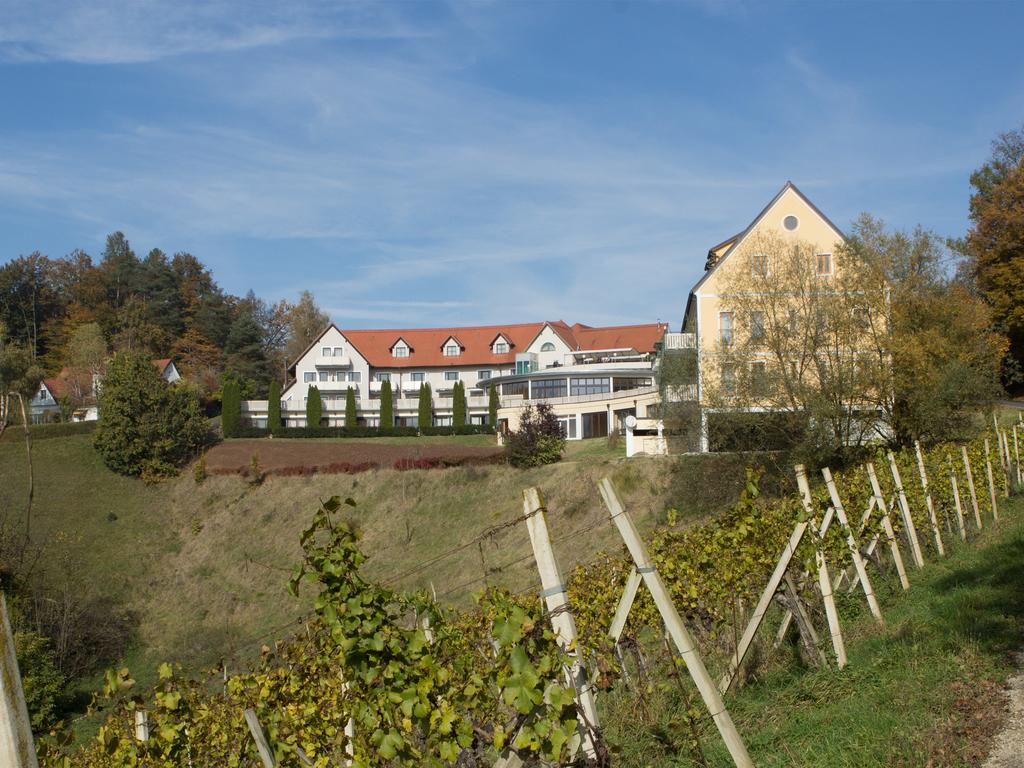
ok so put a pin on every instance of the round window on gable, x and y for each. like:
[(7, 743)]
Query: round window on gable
[(547, 346), (791, 223)]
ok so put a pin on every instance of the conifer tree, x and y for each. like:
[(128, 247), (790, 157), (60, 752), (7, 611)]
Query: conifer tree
[(274, 407), (314, 407), (492, 407), (351, 418), (387, 406), (459, 405), (230, 407), (426, 409)]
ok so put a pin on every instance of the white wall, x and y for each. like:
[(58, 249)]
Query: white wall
[(547, 359), (297, 392)]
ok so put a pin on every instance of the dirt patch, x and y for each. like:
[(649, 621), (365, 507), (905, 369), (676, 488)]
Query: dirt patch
[(306, 457), (1008, 748), (964, 737)]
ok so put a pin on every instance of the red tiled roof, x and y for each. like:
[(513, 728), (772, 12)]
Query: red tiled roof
[(426, 343), (56, 387), (162, 363)]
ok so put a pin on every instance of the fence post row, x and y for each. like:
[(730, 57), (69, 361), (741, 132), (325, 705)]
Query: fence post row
[(928, 499), (557, 602), (970, 485), (824, 582), (908, 520), (1004, 459), (1016, 457), (851, 544), (991, 480), (684, 643), (890, 534), (16, 747)]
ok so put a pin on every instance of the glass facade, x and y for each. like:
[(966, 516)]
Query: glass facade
[(543, 389), (516, 388), (620, 383), (589, 385)]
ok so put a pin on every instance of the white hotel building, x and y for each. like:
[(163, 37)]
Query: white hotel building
[(592, 377)]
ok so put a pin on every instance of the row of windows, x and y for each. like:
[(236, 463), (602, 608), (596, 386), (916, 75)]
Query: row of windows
[(332, 352), (454, 350), (314, 376), (760, 264), (758, 332), (420, 376)]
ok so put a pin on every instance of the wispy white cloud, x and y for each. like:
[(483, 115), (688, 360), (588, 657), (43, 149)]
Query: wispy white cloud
[(132, 31)]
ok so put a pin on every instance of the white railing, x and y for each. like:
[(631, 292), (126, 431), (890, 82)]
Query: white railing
[(681, 393), (680, 341), (332, 362)]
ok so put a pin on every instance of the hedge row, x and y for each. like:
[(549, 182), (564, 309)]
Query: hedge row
[(46, 431), (300, 432)]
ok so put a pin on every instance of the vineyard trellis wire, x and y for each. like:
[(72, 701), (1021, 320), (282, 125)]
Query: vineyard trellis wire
[(495, 675)]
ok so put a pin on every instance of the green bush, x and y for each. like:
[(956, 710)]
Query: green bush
[(274, 407), (47, 431), (314, 408), (538, 440), (351, 417), (148, 426), (300, 432), (387, 406), (41, 680)]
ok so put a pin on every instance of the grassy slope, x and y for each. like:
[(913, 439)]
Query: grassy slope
[(204, 566), (925, 691)]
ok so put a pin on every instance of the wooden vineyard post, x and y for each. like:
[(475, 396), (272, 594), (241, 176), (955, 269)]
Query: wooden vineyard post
[(141, 725), (625, 603), (557, 602), (908, 521), (851, 544), (928, 499), (970, 485), (16, 747), (1004, 459), (684, 643), (956, 501), (1016, 458), (991, 480), (890, 534), (762, 605), (262, 746), (835, 632)]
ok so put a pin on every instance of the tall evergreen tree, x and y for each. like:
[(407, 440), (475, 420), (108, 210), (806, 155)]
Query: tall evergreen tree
[(426, 406), (459, 405), (230, 407), (351, 417), (387, 406), (274, 407), (492, 406), (314, 407)]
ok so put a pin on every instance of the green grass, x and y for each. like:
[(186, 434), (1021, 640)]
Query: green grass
[(924, 691)]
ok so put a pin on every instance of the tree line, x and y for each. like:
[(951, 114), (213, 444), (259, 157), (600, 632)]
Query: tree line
[(72, 313)]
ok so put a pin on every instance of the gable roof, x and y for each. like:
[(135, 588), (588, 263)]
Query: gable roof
[(719, 253)]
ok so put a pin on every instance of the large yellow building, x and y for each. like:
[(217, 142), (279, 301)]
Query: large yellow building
[(711, 323)]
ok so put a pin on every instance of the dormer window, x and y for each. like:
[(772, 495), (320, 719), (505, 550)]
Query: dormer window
[(501, 347), (451, 347), (401, 349)]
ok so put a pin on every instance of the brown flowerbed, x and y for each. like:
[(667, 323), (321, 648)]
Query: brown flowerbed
[(306, 457)]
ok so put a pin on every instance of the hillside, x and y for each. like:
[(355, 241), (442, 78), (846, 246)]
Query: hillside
[(202, 567)]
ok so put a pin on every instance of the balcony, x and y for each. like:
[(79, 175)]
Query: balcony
[(675, 341), (333, 362)]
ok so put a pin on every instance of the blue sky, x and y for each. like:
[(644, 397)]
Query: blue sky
[(459, 163)]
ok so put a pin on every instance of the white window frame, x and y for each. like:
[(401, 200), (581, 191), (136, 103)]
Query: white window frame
[(417, 376), (325, 352), (817, 265), (451, 375), (732, 327), (401, 349), (309, 377), (483, 375)]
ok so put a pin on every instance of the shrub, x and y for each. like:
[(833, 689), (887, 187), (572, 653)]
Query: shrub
[(42, 681), (314, 407), (274, 407), (148, 426), (459, 405), (538, 440), (199, 473), (426, 407), (387, 406), (351, 417), (465, 429)]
